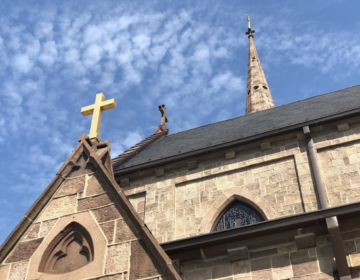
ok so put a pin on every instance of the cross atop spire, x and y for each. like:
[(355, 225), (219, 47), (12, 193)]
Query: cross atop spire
[(250, 31), (258, 95)]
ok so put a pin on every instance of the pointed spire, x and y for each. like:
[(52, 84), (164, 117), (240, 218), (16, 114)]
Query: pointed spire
[(258, 95)]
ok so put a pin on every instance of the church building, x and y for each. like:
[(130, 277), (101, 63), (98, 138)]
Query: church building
[(273, 194)]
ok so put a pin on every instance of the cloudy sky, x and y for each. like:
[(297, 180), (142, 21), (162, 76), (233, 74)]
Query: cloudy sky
[(190, 55)]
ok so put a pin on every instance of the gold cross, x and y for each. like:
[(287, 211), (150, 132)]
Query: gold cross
[(96, 110)]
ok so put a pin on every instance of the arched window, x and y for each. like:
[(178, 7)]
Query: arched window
[(238, 215)]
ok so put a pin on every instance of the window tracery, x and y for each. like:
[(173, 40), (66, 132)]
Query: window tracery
[(238, 215), (70, 250)]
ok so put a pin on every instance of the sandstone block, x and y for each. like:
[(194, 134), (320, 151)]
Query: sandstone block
[(355, 259), (59, 207), (18, 271), (24, 250), (260, 264), (280, 261), (125, 182), (343, 127), (241, 268), (93, 202), (106, 213), (117, 258), (46, 226), (282, 274), (33, 232), (265, 146), (192, 165), (350, 235), (230, 155), (305, 266), (71, 186), (108, 229), (221, 271), (262, 275), (160, 172), (305, 241), (93, 186), (124, 232), (325, 251), (141, 264), (210, 263), (263, 253), (287, 248), (203, 274), (238, 254), (187, 267)]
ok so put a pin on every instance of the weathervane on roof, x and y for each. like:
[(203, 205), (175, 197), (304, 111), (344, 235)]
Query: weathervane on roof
[(250, 31)]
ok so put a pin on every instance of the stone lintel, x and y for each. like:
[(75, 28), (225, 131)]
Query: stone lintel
[(160, 172), (192, 165), (125, 182), (343, 127), (305, 241), (265, 146), (230, 155), (238, 254)]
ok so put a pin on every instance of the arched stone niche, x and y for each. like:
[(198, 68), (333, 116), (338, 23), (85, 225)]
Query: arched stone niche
[(74, 237), (229, 197), (70, 250)]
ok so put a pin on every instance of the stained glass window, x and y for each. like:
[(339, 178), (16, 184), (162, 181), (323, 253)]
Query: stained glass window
[(238, 215)]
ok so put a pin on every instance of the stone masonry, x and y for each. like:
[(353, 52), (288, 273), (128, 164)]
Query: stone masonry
[(284, 261), (85, 194), (275, 181)]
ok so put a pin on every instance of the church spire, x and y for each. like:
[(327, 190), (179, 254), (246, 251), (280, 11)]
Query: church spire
[(258, 95)]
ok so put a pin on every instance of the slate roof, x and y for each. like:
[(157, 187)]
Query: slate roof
[(137, 148), (248, 125)]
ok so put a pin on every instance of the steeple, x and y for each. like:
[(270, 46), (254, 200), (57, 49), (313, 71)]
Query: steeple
[(258, 95)]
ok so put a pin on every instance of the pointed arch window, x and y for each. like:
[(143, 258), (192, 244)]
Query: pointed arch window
[(238, 215)]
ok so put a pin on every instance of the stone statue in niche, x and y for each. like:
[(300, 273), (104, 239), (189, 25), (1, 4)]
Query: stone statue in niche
[(71, 249)]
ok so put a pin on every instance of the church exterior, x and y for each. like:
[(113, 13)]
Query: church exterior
[(273, 194)]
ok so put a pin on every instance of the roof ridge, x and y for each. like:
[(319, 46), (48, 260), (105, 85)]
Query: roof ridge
[(129, 153), (274, 108)]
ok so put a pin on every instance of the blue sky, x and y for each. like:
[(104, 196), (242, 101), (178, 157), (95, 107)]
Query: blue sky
[(190, 55)]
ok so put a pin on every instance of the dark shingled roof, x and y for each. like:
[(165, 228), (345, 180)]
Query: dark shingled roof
[(248, 125)]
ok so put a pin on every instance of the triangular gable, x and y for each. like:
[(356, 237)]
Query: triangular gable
[(84, 206)]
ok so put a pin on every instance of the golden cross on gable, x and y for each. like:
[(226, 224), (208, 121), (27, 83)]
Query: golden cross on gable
[(96, 110)]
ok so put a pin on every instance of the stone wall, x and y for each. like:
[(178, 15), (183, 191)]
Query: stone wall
[(119, 251), (284, 261), (273, 176)]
